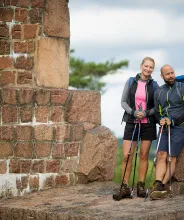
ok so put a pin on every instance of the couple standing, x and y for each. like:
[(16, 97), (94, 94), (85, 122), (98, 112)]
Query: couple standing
[(147, 103)]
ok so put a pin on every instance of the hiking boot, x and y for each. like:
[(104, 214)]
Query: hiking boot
[(124, 192), (158, 191), (141, 191)]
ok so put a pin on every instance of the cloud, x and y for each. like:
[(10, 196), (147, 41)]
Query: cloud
[(104, 25)]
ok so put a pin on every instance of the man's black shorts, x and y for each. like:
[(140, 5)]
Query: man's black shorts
[(147, 131)]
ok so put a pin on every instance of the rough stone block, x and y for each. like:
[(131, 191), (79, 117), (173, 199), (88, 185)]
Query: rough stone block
[(70, 165), (34, 182), (25, 96), (24, 3), (72, 179), (59, 97), (38, 166), (62, 132), (24, 150), (6, 14), (14, 166), (42, 149), (9, 115), (36, 15), (61, 180), (41, 114), (5, 213), (22, 182), (56, 114), (24, 47), (4, 30), (30, 31), (24, 63), (49, 182), (6, 150), (24, 133), (16, 31), (25, 166), (21, 15), (43, 97), (71, 149), (58, 151), (4, 47), (26, 114), (3, 166), (98, 155), (84, 107), (52, 63), (6, 62), (77, 132), (7, 78), (24, 78), (57, 24), (52, 166), (38, 3), (179, 174), (6, 133), (9, 96), (44, 132)]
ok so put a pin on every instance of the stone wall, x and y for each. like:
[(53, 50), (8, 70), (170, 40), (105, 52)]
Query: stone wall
[(44, 126)]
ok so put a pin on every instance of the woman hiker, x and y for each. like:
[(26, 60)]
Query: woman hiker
[(138, 103)]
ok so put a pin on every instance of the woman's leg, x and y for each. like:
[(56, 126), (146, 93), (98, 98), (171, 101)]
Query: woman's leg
[(144, 155), (126, 148)]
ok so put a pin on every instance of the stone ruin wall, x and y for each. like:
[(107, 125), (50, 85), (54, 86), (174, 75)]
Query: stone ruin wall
[(45, 126), (49, 136)]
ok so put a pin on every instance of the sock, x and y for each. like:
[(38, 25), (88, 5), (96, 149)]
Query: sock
[(158, 181)]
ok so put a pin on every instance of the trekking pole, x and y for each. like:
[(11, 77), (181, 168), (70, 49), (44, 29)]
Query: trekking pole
[(117, 196), (138, 137), (154, 163), (169, 161)]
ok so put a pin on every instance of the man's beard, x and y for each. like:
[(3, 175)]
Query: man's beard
[(169, 83)]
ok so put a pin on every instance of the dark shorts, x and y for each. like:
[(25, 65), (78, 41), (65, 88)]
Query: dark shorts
[(147, 132), (177, 140)]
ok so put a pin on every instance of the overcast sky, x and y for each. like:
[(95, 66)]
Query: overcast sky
[(121, 29)]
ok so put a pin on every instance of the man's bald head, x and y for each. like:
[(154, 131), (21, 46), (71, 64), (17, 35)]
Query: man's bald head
[(166, 66)]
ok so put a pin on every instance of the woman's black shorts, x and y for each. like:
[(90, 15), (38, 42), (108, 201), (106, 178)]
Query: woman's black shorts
[(147, 131)]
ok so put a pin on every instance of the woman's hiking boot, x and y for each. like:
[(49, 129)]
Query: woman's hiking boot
[(124, 192), (141, 191), (158, 191)]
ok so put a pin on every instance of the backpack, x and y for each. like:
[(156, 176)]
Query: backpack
[(179, 79), (153, 82)]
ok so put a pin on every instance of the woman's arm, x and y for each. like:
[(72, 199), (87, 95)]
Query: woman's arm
[(124, 99)]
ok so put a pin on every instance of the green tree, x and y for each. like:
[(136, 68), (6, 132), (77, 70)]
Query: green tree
[(87, 75)]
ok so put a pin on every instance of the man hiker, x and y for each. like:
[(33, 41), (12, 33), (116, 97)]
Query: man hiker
[(169, 106)]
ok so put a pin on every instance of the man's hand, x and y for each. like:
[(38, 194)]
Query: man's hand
[(165, 121), (168, 121), (162, 122)]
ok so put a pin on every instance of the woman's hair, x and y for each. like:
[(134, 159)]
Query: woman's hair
[(148, 58)]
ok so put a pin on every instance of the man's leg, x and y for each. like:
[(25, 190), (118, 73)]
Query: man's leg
[(158, 190), (167, 175), (161, 165)]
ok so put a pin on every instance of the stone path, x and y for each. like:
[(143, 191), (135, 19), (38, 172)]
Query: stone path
[(90, 201)]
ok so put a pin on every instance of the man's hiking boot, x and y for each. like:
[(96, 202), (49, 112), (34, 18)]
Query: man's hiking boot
[(141, 191), (124, 192), (158, 191)]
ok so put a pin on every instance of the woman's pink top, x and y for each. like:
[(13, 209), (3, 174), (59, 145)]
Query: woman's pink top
[(140, 97)]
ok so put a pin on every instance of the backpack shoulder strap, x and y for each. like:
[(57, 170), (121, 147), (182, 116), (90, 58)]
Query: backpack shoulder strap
[(131, 79), (178, 89), (154, 85)]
